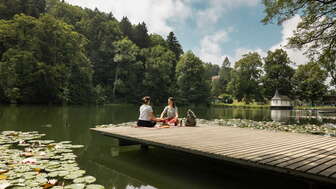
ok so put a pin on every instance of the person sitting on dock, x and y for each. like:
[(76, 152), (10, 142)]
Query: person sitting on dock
[(169, 115), (146, 118)]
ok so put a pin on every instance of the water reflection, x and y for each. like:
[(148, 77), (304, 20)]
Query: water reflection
[(281, 115)]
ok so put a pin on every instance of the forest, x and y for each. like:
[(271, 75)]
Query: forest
[(52, 52)]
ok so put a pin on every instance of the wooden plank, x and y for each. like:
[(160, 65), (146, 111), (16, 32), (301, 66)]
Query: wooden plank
[(309, 156), (329, 171), (321, 167)]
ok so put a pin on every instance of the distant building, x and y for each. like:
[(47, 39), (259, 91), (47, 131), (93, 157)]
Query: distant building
[(281, 102)]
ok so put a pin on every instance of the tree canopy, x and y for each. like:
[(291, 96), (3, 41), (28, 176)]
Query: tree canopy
[(52, 52), (192, 86), (316, 31), (278, 73), (309, 82)]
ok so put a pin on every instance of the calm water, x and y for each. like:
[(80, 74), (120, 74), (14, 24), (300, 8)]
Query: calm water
[(128, 167)]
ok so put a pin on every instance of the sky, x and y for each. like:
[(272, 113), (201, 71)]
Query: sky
[(212, 29)]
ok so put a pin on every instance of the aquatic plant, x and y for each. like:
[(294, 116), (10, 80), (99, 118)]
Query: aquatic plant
[(325, 129), (26, 161)]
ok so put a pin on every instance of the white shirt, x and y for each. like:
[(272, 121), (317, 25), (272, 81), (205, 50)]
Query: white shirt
[(145, 112)]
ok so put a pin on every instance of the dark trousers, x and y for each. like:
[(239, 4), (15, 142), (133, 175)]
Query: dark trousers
[(142, 123)]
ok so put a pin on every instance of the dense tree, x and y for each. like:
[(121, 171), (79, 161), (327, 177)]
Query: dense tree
[(309, 82), (245, 82), (211, 76), (67, 54), (8, 8), (127, 28), (102, 31), (158, 81), (141, 36), (156, 39), (316, 31), (192, 86), (278, 73), (226, 63), (317, 27), (70, 14), (174, 45), (225, 75), (43, 61), (211, 70), (125, 53), (328, 62)]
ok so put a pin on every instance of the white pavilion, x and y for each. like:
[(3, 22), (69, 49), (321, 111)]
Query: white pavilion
[(280, 102)]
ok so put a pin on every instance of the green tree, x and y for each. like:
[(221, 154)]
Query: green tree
[(278, 73), (125, 53), (191, 82), (225, 75), (70, 14), (40, 60), (127, 28), (158, 80), (245, 82), (156, 39), (328, 62), (316, 30), (140, 36), (212, 70), (226, 63), (9, 8), (102, 31), (309, 82), (174, 45)]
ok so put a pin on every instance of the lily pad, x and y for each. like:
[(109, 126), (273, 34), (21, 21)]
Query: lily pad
[(86, 179), (75, 186), (94, 186)]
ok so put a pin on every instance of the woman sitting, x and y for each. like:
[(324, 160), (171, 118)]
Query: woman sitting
[(170, 113), (146, 118)]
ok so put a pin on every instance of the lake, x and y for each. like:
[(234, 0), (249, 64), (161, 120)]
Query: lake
[(129, 167)]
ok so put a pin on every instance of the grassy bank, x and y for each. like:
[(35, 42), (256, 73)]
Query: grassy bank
[(315, 107), (255, 105), (241, 105)]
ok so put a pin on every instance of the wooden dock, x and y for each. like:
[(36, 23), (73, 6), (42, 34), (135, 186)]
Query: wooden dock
[(310, 156)]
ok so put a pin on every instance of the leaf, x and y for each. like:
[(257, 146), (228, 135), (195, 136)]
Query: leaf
[(3, 177), (4, 185)]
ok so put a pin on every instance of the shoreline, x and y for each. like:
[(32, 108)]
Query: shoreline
[(267, 106)]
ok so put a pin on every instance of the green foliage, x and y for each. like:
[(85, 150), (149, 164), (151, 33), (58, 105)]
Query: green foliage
[(125, 54), (126, 28), (278, 73), (156, 40), (245, 82), (73, 55), (141, 36), (308, 82), (43, 61), (316, 30), (158, 80), (174, 45), (191, 82), (225, 75), (9, 8), (328, 62), (226, 98), (211, 70)]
